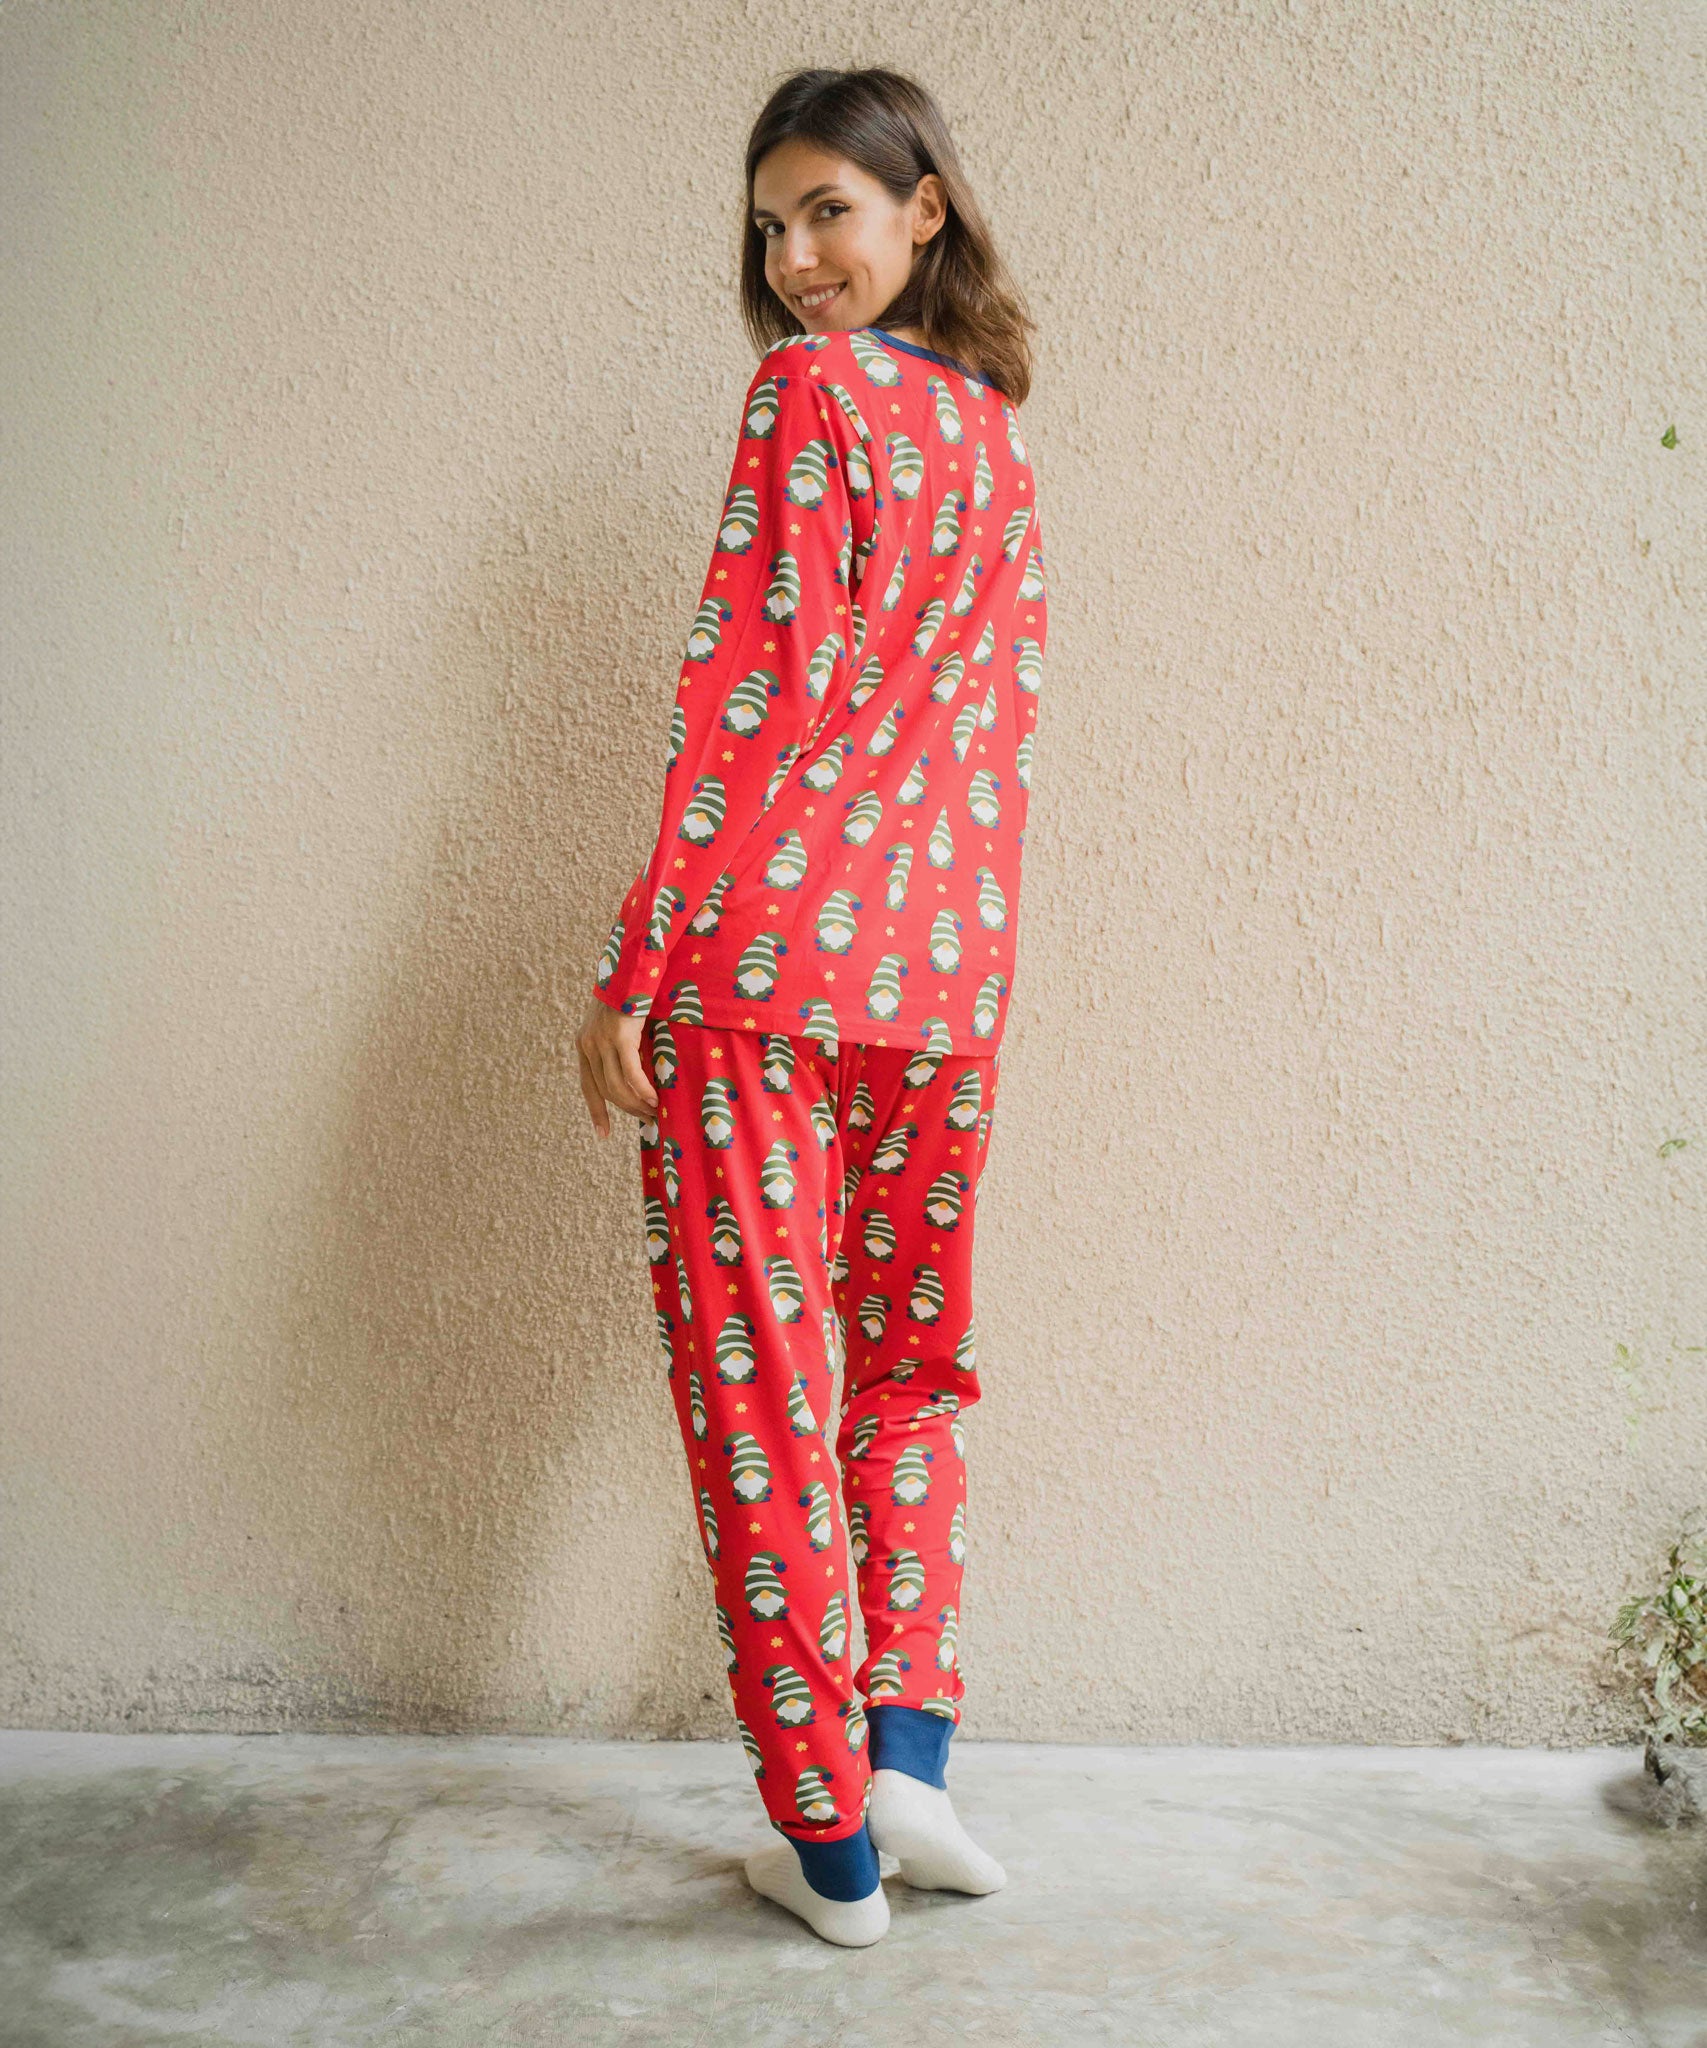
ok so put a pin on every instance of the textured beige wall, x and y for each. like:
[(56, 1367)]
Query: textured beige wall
[(370, 382)]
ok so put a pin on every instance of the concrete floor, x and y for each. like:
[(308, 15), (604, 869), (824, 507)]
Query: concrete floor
[(340, 1891)]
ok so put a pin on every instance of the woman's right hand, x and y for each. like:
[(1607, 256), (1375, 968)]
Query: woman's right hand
[(611, 1070)]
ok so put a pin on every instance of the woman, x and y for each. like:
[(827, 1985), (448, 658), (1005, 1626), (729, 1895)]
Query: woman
[(804, 993)]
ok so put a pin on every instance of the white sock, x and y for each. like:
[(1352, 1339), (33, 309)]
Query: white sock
[(774, 1871), (915, 1822)]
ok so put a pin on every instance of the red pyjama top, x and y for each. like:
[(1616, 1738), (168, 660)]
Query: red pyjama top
[(850, 752)]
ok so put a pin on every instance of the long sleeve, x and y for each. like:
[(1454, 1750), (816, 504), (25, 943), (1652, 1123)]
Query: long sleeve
[(768, 649)]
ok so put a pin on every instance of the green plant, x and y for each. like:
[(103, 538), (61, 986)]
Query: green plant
[(1664, 1634)]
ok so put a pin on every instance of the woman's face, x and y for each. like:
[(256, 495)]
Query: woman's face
[(837, 248)]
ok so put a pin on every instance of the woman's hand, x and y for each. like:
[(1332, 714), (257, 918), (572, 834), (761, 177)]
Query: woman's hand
[(609, 1045)]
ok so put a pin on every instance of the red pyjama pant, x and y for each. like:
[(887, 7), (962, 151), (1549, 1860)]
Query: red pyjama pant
[(804, 1211)]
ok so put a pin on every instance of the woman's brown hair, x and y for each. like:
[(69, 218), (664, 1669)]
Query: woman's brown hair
[(959, 294)]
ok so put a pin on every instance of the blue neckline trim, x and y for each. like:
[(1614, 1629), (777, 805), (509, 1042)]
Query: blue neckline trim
[(930, 355)]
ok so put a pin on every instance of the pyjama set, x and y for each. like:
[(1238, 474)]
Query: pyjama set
[(821, 948)]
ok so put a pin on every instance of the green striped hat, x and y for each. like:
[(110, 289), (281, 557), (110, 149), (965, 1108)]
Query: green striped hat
[(877, 363), (983, 479), (1028, 665), (945, 1198), (890, 1152), (801, 1420), (665, 1056), (777, 1062), (787, 1289), (818, 1022), (906, 466), (910, 1476), (912, 791), (705, 811), (786, 868), (947, 412), (883, 991), (612, 953), (900, 859), (945, 533), (924, 1304), (705, 918), (837, 925), (763, 1587), (755, 971), (931, 617), (879, 1238), (740, 521), (725, 1232), (864, 815), (807, 474), (813, 1799), (779, 774), (906, 1580), (791, 1696), (822, 666), (749, 702), (965, 725), (776, 1176), (982, 800), (734, 1353), (705, 635), (749, 1468), (967, 595), (897, 582), (992, 904), (865, 683), (845, 399), (820, 1515), (886, 1679), (826, 771), (782, 599), (985, 1003), (716, 1116), (762, 410), (948, 674), (883, 734), (939, 848), (833, 1629)]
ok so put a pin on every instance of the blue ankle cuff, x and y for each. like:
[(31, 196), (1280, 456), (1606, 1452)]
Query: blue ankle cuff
[(839, 1870), (910, 1739)]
